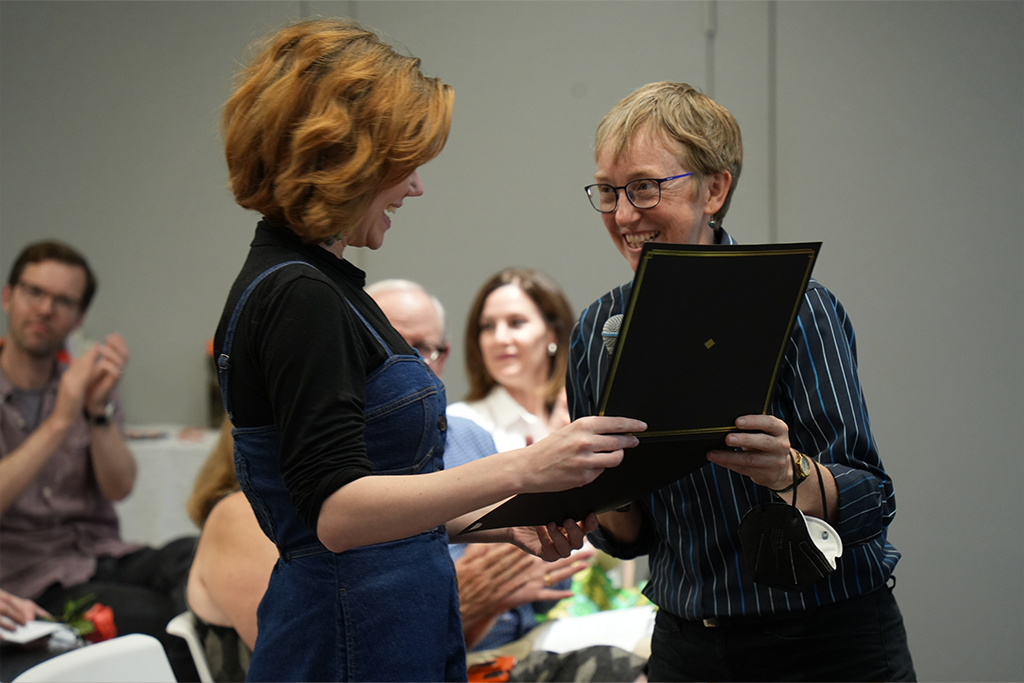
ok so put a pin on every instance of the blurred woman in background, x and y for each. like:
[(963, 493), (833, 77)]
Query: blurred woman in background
[(517, 346)]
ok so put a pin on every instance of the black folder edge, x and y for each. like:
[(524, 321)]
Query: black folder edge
[(514, 508)]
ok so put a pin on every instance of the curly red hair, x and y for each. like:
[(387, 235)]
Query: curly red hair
[(324, 117)]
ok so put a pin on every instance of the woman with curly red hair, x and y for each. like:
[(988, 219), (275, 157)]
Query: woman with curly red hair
[(339, 424)]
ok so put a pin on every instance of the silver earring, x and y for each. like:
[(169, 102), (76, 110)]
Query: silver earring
[(711, 223), (329, 241), (552, 348)]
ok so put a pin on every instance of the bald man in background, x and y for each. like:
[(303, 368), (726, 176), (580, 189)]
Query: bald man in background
[(417, 316)]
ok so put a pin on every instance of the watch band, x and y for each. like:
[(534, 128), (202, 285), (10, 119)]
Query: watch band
[(101, 420)]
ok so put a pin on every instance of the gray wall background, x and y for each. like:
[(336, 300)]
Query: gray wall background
[(891, 131)]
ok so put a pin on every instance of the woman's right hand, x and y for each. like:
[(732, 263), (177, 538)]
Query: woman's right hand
[(578, 453)]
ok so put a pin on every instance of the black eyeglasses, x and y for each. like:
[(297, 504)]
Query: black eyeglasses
[(37, 295), (644, 193)]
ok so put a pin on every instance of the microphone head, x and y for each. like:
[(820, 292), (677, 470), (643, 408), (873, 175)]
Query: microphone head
[(610, 333)]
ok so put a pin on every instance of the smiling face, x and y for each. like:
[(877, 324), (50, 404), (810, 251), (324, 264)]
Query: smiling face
[(681, 217), (39, 308), (370, 231), (514, 339)]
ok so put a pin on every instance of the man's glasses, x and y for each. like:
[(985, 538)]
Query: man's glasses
[(644, 193), (36, 296), (431, 353)]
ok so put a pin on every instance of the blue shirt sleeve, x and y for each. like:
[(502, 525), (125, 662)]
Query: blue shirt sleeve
[(819, 397)]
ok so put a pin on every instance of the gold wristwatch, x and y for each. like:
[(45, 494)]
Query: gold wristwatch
[(803, 469)]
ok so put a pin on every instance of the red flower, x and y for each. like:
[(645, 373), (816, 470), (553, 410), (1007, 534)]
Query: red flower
[(102, 619)]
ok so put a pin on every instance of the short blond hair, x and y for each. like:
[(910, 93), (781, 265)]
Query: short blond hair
[(323, 118), (704, 134)]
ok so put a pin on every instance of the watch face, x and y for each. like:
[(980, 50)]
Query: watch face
[(805, 466)]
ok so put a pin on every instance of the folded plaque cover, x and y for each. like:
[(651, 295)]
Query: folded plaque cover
[(701, 343)]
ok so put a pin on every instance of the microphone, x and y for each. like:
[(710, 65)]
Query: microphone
[(610, 333)]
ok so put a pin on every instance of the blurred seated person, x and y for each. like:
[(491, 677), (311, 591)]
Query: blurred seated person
[(231, 567), (64, 460)]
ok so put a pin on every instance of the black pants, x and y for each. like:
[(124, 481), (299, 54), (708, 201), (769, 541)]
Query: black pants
[(146, 589), (862, 639)]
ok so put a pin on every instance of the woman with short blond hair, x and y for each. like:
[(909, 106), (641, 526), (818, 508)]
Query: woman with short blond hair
[(667, 159)]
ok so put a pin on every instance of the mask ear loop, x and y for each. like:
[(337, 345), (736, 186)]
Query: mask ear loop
[(821, 483), (796, 489)]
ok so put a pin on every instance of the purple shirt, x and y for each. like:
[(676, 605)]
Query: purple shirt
[(61, 523)]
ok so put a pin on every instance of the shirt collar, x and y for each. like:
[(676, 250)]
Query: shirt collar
[(7, 387), (275, 234), (506, 411)]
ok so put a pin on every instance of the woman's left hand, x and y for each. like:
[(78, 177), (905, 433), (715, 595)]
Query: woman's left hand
[(553, 541), (763, 455)]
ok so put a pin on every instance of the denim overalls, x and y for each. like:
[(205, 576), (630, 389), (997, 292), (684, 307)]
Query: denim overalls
[(384, 612)]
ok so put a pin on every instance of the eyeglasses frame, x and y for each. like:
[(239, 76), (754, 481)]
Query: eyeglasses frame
[(623, 187), (35, 295), (436, 352)]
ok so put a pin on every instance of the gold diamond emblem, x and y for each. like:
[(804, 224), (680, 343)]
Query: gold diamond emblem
[(709, 343)]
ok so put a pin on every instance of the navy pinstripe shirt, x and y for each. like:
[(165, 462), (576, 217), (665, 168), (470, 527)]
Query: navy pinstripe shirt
[(690, 527)]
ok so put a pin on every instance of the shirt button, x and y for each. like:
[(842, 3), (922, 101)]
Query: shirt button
[(442, 422), (47, 492)]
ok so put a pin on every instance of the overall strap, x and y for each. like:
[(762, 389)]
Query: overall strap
[(224, 359), (387, 349)]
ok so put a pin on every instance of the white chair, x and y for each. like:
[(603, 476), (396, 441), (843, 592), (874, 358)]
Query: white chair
[(184, 626), (133, 658)]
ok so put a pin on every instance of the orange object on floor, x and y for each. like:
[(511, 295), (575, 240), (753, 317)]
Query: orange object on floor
[(495, 670)]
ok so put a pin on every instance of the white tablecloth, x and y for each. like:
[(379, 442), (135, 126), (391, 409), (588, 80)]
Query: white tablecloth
[(154, 512), (629, 629)]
